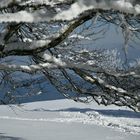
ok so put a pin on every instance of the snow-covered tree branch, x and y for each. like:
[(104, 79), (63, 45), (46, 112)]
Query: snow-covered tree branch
[(56, 40), (75, 9)]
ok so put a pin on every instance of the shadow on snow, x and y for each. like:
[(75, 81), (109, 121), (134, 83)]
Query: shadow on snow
[(4, 137), (109, 112)]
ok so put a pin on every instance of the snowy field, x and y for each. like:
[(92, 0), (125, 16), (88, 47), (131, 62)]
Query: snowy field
[(67, 120)]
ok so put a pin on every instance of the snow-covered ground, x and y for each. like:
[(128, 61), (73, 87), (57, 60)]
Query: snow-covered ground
[(67, 120)]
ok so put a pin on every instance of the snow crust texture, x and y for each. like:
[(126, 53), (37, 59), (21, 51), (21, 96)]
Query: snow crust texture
[(68, 112)]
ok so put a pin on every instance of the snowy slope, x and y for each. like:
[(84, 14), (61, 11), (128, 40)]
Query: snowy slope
[(66, 120)]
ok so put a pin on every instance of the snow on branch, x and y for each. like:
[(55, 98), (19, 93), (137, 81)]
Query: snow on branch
[(25, 68), (6, 3), (74, 11), (111, 94), (27, 48), (51, 62), (117, 85)]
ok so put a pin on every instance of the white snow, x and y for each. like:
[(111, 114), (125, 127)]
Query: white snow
[(66, 119), (79, 37), (74, 11)]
